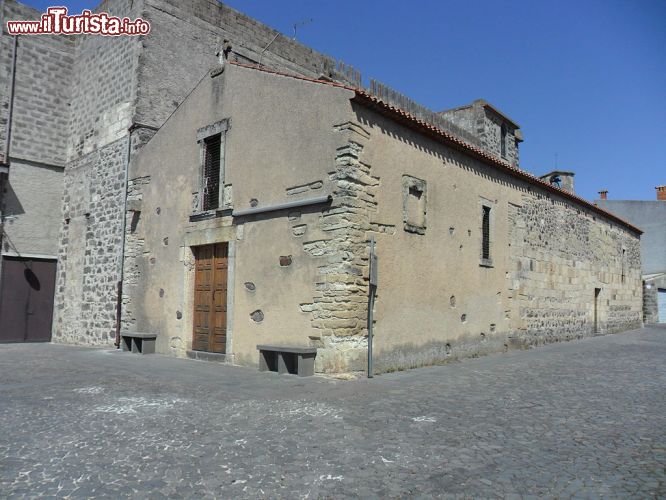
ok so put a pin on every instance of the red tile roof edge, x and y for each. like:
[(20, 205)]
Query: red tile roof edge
[(407, 119)]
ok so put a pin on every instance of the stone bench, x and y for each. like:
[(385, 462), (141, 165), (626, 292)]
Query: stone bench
[(140, 343), (287, 359)]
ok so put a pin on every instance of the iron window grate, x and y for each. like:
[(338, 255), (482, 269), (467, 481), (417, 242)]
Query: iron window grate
[(211, 172), (485, 230)]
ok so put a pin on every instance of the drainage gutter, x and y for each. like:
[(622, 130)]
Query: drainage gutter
[(282, 206)]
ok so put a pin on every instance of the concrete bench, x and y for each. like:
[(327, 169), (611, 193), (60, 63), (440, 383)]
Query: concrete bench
[(287, 359), (140, 343)]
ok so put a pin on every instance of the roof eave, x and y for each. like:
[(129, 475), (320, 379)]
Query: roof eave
[(410, 121), (363, 97)]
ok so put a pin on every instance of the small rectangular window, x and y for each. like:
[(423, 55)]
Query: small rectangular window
[(485, 230), (211, 172)]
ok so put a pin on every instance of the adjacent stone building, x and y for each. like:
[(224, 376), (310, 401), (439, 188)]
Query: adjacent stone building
[(649, 215), (252, 208), (34, 98), (229, 208)]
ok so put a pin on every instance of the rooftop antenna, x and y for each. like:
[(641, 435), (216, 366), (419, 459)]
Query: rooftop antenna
[(301, 23), (555, 161), (266, 47)]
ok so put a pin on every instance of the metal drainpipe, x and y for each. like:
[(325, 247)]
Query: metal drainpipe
[(119, 285), (5, 178), (12, 88), (282, 206), (371, 305), (119, 288)]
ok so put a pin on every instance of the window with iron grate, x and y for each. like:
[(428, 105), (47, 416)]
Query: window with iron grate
[(211, 172), (485, 233)]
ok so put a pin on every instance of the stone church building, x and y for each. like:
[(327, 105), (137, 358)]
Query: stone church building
[(226, 208)]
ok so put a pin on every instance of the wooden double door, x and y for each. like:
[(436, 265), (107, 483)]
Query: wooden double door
[(210, 298)]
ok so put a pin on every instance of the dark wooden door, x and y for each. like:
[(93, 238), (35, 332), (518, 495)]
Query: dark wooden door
[(210, 298), (26, 299)]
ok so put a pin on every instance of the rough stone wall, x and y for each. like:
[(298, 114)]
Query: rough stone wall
[(650, 303), (486, 125), (134, 247), (559, 255), (250, 37), (89, 247), (31, 200), (491, 137), (185, 41), (103, 93), (651, 289), (468, 118), (41, 103)]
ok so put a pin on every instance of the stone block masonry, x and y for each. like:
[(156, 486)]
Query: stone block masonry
[(41, 91), (90, 242), (339, 309), (31, 201), (651, 287), (559, 256), (103, 94), (134, 247), (201, 28)]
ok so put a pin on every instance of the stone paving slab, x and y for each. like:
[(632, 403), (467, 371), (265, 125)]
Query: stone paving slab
[(580, 419)]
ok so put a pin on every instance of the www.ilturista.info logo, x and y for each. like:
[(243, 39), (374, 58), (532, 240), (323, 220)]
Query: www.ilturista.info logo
[(55, 21)]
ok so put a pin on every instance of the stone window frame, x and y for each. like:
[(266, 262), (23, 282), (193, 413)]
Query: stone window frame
[(408, 183), (220, 128), (491, 206)]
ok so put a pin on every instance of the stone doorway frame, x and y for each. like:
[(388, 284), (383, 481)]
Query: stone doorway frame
[(200, 237)]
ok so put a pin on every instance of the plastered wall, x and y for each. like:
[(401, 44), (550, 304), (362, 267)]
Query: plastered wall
[(286, 265)]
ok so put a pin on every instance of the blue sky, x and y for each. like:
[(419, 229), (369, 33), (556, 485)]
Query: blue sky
[(586, 80)]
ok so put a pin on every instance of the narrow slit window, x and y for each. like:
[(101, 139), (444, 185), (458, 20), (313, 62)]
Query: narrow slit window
[(485, 231), (211, 172), (624, 269), (503, 140)]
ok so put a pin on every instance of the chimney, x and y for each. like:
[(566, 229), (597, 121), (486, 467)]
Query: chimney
[(603, 194), (661, 193)]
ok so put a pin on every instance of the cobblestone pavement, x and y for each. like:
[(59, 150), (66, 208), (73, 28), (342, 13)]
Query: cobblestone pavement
[(584, 419)]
